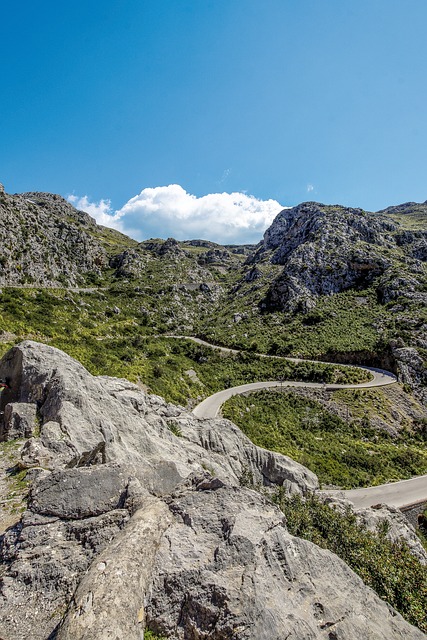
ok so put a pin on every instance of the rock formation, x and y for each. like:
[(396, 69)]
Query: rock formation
[(327, 249), (129, 524), (45, 241)]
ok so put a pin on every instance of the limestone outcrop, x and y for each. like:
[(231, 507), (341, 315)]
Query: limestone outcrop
[(327, 249), (129, 524), (45, 241)]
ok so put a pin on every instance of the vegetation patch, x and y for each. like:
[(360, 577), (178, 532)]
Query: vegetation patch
[(342, 453), (149, 635), (13, 484), (110, 333), (347, 322)]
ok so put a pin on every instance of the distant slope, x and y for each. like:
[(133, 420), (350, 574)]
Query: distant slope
[(45, 241), (326, 281)]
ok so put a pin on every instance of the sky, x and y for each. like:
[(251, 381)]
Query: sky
[(204, 118)]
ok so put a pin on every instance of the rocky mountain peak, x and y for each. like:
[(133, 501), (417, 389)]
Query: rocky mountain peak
[(58, 206), (44, 240), (325, 249), (313, 221)]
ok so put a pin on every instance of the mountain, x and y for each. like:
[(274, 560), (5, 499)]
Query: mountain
[(328, 249), (122, 510), (45, 241), (329, 282), (339, 283)]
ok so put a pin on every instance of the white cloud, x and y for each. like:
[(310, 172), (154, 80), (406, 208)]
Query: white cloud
[(225, 175), (170, 211), (310, 187), (101, 211)]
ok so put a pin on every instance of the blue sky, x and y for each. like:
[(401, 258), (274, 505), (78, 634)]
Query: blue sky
[(282, 100)]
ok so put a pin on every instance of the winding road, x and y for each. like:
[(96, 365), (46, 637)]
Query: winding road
[(396, 494), (210, 407)]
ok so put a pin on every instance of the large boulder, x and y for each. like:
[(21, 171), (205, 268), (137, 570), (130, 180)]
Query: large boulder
[(228, 568), (80, 492), (128, 524), (88, 420)]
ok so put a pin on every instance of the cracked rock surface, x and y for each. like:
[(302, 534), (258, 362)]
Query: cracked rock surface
[(228, 568), (128, 524)]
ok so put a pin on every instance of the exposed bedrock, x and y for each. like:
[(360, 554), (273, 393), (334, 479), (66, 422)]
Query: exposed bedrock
[(128, 524)]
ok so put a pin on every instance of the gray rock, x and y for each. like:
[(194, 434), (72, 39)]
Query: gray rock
[(228, 447), (228, 568), (410, 366), (390, 520), (323, 250), (86, 420), (80, 493), (397, 527), (48, 557), (109, 602), (19, 421), (46, 241), (56, 453), (128, 264), (129, 525)]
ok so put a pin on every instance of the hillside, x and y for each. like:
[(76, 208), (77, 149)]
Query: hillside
[(102, 479), (326, 282), (141, 516), (338, 284)]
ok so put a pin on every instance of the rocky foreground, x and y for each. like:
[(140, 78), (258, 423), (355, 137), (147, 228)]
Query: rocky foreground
[(137, 519)]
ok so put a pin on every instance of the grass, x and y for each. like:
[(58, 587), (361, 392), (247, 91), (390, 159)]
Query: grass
[(351, 326), (350, 322), (13, 485), (85, 325), (342, 453), (149, 635), (18, 481)]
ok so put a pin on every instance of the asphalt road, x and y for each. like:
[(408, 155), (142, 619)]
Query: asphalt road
[(210, 406), (396, 494)]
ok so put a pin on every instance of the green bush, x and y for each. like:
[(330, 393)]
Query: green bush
[(149, 635), (342, 453)]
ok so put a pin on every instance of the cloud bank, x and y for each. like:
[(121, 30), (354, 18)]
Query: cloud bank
[(226, 218)]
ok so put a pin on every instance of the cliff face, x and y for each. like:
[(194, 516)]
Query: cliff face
[(46, 241), (328, 249), (129, 524)]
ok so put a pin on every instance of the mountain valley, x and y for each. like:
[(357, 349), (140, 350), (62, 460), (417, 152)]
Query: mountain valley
[(102, 382)]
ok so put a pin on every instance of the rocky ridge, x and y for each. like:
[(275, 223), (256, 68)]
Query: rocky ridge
[(136, 517), (319, 250), (45, 241), (327, 249)]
